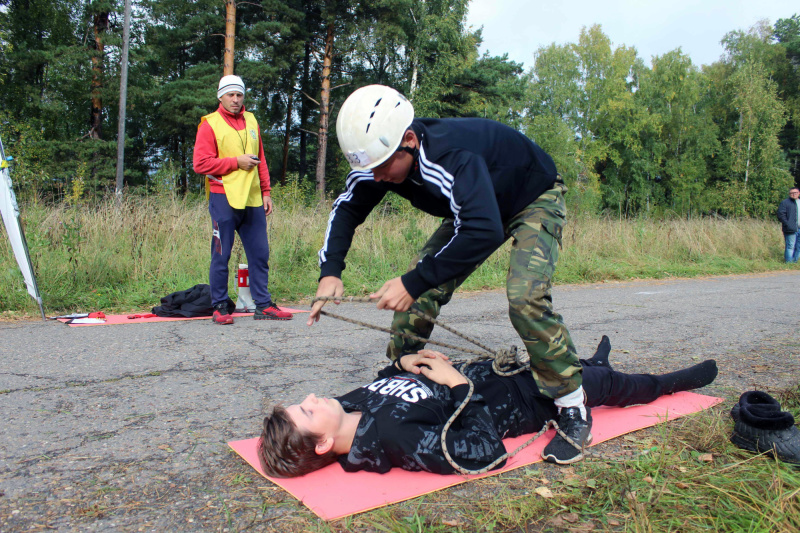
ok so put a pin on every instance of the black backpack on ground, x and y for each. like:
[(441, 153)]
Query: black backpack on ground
[(190, 303)]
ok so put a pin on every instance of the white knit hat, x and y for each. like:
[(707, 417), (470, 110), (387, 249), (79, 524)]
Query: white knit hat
[(229, 84)]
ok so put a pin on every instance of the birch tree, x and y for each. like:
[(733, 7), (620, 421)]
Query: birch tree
[(758, 179)]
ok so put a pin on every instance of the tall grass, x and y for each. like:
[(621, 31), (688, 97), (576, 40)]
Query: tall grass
[(598, 249), (125, 257)]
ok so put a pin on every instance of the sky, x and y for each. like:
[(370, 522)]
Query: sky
[(520, 27)]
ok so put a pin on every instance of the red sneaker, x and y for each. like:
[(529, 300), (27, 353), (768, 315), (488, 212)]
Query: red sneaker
[(271, 312), (221, 314)]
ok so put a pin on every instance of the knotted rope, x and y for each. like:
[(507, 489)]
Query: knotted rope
[(504, 363)]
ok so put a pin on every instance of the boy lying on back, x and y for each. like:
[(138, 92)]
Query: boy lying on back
[(397, 420)]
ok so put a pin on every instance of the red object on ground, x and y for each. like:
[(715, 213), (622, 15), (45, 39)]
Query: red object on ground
[(123, 319), (98, 314), (222, 318), (272, 312)]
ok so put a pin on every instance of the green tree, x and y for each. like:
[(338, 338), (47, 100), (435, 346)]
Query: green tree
[(5, 46), (439, 50), (758, 178), (48, 86), (756, 45), (552, 119), (678, 94), (750, 172), (583, 112), (182, 49), (271, 38), (491, 87), (787, 32), (422, 48), (610, 121)]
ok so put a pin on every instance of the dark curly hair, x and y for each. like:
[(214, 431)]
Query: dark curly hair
[(285, 451)]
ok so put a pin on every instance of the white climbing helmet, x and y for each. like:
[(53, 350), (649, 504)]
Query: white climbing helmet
[(371, 124)]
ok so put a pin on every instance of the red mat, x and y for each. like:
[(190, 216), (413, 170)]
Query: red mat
[(123, 319), (332, 493)]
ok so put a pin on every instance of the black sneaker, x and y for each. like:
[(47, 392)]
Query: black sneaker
[(559, 450)]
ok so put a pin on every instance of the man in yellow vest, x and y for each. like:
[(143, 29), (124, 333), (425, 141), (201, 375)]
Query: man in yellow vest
[(228, 150)]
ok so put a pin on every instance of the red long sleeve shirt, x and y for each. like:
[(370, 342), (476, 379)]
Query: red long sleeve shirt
[(207, 161)]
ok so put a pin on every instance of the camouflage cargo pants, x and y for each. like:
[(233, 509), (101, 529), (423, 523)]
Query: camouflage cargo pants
[(536, 238)]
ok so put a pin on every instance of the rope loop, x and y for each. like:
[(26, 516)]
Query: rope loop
[(504, 363)]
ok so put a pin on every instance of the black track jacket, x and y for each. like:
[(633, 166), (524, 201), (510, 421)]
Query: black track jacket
[(402, 416), (477, 172)]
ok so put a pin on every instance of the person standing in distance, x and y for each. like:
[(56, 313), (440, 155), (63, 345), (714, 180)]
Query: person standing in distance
[(789, 215), (228, 149), (489, 183)]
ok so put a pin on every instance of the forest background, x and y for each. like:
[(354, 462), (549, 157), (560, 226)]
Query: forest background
[(648, 143)]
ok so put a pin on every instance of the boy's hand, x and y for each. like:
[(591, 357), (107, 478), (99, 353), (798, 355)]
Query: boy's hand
[(410, 362), (328, 286), (433, 354), (434, 366), (393, 296)]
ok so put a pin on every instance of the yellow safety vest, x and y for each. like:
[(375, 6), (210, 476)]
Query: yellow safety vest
[(242, 187)]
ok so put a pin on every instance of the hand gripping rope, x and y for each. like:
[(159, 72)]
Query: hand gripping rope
[(504, 363)]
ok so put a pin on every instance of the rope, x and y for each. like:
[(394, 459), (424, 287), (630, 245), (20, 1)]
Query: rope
[(505, 363), (504, 360)]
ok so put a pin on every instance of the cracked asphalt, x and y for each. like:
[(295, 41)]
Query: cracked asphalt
[(125, 427)]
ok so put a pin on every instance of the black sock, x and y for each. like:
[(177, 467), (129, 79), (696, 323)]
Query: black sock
[(600, 357), (690, 378)]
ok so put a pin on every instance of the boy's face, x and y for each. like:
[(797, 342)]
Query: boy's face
[(322, 416), (397, 168)]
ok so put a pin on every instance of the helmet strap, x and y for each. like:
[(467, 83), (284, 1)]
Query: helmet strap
[(414, 154), (413, 151)]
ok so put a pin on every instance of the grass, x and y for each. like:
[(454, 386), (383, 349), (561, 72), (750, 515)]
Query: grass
[(125, 258)]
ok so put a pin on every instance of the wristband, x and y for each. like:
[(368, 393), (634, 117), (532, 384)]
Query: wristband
[(397, 364)]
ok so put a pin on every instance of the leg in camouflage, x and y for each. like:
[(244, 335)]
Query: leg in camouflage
[(536, 233), (430, 302)]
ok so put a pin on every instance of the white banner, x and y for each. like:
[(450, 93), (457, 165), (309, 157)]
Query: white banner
[(10, 212)]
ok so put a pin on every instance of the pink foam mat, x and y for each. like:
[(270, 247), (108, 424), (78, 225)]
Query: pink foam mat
[(123, 319), (332, 493)]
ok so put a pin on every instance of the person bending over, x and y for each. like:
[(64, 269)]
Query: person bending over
[(397, 420), (489, 184)]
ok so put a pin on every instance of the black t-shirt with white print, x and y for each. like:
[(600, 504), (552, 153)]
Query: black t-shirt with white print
[(403, 415)]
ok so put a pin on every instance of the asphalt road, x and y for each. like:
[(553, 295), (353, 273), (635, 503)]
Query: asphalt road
[(125, 427)]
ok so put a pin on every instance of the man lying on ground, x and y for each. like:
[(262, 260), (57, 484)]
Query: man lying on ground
[(397, 420)]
